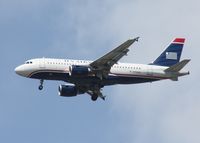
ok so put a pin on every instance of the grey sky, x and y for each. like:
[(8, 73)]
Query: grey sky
[(164, 112)]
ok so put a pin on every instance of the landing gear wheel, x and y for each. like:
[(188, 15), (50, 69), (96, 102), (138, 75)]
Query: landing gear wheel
[(40, 87), (94, 98), (41, 84)]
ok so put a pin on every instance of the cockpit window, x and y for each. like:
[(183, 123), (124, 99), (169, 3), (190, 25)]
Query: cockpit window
[(28, 62)]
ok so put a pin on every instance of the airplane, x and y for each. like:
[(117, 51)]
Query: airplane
[(83, 76)]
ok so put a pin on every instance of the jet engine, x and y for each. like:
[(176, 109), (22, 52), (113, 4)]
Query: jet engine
[(75, 70), (68, 91)]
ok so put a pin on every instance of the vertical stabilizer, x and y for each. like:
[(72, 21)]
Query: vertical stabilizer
[(172, 53)]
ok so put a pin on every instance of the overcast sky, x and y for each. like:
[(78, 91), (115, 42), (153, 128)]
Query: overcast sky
[(160, 112)]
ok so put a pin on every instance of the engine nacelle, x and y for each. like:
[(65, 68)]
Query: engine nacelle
[(69, 91), (75, 70)]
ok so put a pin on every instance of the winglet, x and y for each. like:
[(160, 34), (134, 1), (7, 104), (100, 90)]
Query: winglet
[(136, 39)]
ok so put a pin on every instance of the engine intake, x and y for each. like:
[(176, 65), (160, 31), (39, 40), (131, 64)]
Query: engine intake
[(75, 70), (69, 91)]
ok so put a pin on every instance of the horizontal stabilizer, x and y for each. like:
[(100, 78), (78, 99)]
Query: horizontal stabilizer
[(177, 67), (174, 78)]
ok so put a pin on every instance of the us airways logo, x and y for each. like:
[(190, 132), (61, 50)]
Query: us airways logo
[(171, 56)]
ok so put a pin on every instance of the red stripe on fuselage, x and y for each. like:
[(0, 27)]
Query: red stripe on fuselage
[(141, 76), (111, 74), (54, 71)]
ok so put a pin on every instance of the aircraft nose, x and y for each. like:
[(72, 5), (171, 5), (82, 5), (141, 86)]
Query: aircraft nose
[(19, 70)]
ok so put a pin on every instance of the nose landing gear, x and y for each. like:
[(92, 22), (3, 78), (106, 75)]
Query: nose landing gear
[(41, 84)]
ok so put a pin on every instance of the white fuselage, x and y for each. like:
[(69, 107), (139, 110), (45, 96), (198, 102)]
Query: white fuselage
[(62, 65)]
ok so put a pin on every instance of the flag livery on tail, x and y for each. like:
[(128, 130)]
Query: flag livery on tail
[(172, 53)]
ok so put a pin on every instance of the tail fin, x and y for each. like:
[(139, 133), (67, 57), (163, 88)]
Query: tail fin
[(172, 53)]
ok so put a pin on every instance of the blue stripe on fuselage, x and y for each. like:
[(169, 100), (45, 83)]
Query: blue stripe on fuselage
[(111, 79)]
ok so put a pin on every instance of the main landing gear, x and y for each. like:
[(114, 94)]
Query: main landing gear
[(95, 93), (41, 84), (94, 97)]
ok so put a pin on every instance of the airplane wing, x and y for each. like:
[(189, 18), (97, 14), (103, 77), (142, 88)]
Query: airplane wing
[(103, 65)]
